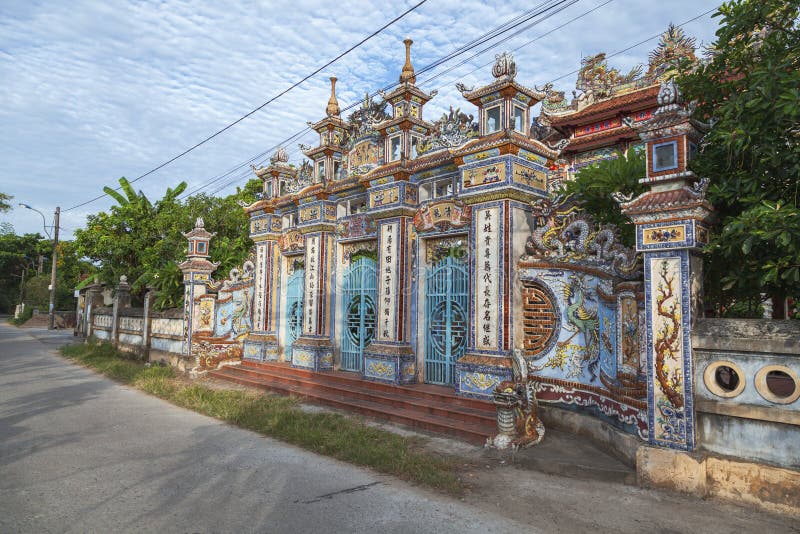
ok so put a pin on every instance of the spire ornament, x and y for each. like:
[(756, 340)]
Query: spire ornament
[(333, 105), (504, 66), (407, 74)]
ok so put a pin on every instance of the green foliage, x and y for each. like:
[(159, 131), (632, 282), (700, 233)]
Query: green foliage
[(594, 184), (4, 202), (751, 87), (23, 318), (144, 240), (336, 435)]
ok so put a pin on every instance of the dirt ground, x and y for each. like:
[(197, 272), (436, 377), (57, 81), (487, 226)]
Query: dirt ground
[(568, 485)]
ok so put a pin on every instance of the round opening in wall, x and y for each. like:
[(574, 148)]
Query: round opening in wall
[(724, 379), (778, 384), (727, 378)]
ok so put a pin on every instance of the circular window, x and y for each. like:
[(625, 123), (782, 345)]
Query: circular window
[(724, 379), (778, 384)]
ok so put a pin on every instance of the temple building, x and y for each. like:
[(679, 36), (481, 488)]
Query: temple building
[(408, 250)]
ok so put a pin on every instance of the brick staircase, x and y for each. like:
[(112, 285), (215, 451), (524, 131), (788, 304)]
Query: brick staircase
[(422, 406)]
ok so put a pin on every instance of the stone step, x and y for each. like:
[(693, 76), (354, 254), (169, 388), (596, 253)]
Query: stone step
[(432, 392), (397, 398), (475, 431)]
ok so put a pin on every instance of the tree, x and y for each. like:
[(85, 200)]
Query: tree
[(144, 240), (594, 184), (4, 205), (751, 87)]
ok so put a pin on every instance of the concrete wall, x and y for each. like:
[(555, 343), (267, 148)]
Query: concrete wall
[(748, 421), (157, 336)]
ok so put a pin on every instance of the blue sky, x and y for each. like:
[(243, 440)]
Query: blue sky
[(94, 90)]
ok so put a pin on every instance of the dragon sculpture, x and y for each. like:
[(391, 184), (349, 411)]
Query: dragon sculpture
[(518, 423), (562, 233), (597, 78)]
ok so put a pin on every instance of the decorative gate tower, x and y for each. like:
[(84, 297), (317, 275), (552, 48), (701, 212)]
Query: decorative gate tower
[(391, 356), (671, 227), (317, 223), (197, 271)]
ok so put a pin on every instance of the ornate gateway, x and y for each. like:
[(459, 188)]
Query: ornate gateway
[(446, 308), (359, 314)]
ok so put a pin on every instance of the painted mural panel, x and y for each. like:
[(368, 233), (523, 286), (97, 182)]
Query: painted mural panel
[(536, 178), (608, 340), (629, 335), (487, 277), (576, 355), (667, 353), (241, 317), (486, 174), (387, 276), (222, 322)]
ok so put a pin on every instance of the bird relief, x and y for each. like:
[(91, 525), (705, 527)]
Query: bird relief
[(578, 355)]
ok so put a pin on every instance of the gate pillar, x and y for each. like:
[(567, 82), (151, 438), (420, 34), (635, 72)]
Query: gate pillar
[(487, 362), (391, 358), (314, 348), (197, 271), (265, 227), (671, 228)]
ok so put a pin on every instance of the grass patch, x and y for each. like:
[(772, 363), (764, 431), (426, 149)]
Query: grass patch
[(339, 436)]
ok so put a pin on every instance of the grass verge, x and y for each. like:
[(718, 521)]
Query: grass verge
[(342, 437)]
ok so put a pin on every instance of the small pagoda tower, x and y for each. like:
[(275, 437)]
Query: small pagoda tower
[(332, 130), (197, 271), (671, 229), (406, 128), (503, 104)]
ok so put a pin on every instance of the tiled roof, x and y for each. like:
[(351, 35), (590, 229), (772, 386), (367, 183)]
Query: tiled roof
[(683, 197), (604, 106)]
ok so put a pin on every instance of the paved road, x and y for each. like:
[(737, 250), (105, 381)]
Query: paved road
[(80, 453)]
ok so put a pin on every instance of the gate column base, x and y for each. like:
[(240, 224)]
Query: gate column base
[(393, 363), (260, 346), (478, 374), (313, 353)]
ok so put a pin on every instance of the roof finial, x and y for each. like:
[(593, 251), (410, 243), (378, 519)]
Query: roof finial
[(407, 74), (333, 105)]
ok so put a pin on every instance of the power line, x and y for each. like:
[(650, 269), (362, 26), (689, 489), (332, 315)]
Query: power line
[(240, 119), (616, 53), (540, 9)]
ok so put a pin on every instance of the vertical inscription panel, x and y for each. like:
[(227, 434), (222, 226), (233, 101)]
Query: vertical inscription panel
[(262, 273), (312, 285), (387, 281), (487, 277)]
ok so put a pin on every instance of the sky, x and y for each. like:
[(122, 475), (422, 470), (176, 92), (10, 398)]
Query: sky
[(94, 90)]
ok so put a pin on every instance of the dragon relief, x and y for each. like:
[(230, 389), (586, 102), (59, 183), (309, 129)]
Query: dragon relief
[(453, 129), (598, 79), (562, 233), (518, 422)]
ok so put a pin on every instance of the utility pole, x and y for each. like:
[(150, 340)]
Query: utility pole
[(51, 318)]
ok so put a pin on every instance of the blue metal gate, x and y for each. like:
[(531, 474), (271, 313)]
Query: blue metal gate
[(358, 319), (446, 307), (295, 287)]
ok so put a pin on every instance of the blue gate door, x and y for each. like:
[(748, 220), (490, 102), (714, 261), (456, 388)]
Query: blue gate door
[(295, 287), (358, 319), (446, 306)]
